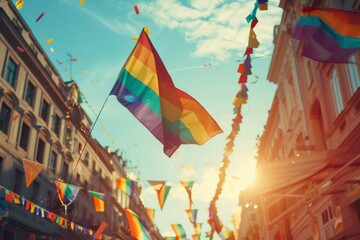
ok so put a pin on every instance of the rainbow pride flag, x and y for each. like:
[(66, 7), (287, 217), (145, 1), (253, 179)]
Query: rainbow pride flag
[(125, 185), (66, 192), (137, 227), (146, 89), (332, 36), (99, 203), (179, 231)]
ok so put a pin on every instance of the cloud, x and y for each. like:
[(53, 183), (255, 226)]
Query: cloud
[(217, 27)]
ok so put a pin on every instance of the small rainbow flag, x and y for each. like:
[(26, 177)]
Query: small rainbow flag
[(137, 227), (66, 192), (99, 203), (146, 89), (125, 185), (332, 35), (179, 231)]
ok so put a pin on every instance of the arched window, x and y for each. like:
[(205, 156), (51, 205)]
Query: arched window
[(353, 74), (336, 91)]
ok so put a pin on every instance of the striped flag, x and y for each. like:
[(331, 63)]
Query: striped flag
[(146, 89), (66, 192), (125, 185), (332, 36), (137, 227), (98, 199)]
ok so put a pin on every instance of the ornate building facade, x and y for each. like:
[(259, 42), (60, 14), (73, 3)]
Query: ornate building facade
[(41, 120), (308, 184)]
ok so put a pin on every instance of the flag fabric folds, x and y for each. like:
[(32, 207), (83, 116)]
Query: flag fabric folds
[(137, 227), (32, 170), (179, 231), (66, 192), (99, 203), (125, 185), (146, 89), (332, 36)]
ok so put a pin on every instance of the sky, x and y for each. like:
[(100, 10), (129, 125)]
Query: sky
[(201, 42)]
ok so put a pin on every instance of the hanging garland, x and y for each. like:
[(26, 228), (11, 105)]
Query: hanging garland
[(241, 98)]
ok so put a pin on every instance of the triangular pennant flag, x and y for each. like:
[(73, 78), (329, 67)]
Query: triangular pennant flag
[(99, 203), (188, 186), (162, 195), (32, 170), (157, 185), (66, 192), (253, 42)]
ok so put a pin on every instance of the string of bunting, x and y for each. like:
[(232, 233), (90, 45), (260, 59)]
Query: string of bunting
[(12, 197), (241, 98)]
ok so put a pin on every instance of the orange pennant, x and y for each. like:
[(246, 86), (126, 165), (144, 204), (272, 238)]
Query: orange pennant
[(32, 170)]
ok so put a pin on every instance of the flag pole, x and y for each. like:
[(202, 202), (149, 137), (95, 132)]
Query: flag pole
[(65, 207), (88, 137)]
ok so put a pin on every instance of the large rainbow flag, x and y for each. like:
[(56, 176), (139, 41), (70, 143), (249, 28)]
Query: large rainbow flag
[(137, 227), (331, 35), (145, 88)]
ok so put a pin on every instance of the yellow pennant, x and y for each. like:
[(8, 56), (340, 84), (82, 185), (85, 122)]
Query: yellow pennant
[(19, 4)]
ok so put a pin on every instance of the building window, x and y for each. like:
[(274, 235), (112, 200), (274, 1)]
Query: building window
[(7, 235), (24, 137), (17, 181), (40, 151), (335, 87), (79, 148), (35, 191), (353, 74), (78, 178), (30, 94), (5, 115), (86, 159), (45, 109), (65, 171), (11, 72), (57, 125), (326, 215), (53, 159)]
